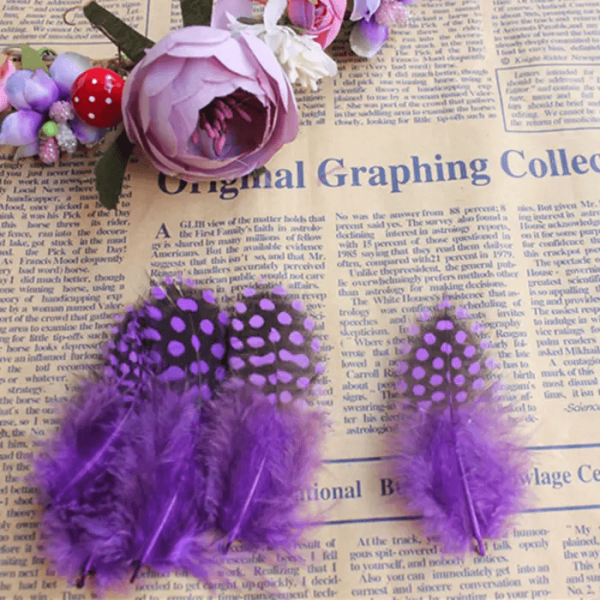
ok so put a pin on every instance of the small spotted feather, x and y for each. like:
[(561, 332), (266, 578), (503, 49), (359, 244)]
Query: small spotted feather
[(272, 345), (178, 332), (444, 359)]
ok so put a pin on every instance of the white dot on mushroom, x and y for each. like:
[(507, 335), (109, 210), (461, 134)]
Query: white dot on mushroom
[(94, 81), (108, 101), (92, 99), (76, 98), (91, 115)]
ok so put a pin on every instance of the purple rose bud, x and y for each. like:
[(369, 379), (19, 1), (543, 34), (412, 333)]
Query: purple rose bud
[(20, 128), (66, 68), (364, 9), (40, 91), (15, 88), (86, 134), (367, 37)]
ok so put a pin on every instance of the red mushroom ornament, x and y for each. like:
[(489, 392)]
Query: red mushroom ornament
[(96, 97)]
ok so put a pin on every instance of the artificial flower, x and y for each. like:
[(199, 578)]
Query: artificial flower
[(20, 128), (319, 18), (66, 68), (302, 59), (374, 18), (31, 90), (6, 70), (205, 104)]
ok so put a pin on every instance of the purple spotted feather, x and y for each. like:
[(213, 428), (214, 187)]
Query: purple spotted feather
[(264, 440), (459, 461), (177, 334), (272, 345)]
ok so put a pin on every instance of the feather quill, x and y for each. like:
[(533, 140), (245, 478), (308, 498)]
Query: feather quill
[(264, 441), (171, 519), (460, 463)]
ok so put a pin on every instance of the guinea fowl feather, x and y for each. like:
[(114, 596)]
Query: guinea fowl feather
[(459, 460)]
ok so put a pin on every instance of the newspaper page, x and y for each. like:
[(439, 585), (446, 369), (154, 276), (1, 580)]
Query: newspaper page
[(462, 160)]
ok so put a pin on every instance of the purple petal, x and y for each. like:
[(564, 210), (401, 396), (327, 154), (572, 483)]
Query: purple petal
[(21, 128), (86, 134), (27, 150), (40, 91), (367, 38), (364, 9), (66, 68), (15, 86)]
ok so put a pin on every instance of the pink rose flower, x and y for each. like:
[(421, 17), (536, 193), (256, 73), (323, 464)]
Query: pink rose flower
[(6, 70), (322, 19), (204, 104)]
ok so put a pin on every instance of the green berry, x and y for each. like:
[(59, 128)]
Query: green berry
[(50, 128)]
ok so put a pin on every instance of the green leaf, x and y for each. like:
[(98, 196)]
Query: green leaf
[(110, 170), (129, 40), (196, 12), (30, 59)]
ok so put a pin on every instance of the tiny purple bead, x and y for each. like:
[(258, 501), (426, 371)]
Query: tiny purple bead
[(241, 307), (133, 357), (309, 324), (261, 361), (402, 367), (172, 373), (204, 368), (456, 362), (319, 368), (438, 363), (237, 324), (444, 325), (446, 348), (315, 345), (220, 373), (187, 304), (266, 304), (223, 318), (438, 396), (461, 396), (280, 291), (125, 369), (194, 368), (272, 378), (413, 329), (248, 292), (151, 334), (274, 335), (402, 386)]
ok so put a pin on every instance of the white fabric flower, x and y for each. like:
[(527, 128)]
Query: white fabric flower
[(302, 59)]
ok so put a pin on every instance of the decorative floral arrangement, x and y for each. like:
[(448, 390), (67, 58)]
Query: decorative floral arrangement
[(213, 100)]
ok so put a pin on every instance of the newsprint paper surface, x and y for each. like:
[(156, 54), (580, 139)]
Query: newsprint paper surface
[(462, 160)]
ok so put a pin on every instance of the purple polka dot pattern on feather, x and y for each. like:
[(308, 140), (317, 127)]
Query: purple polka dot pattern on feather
[(177, 324), (445, 363)]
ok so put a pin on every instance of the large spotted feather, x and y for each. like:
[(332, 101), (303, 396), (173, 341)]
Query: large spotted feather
[(272, 345), (177, 334)]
